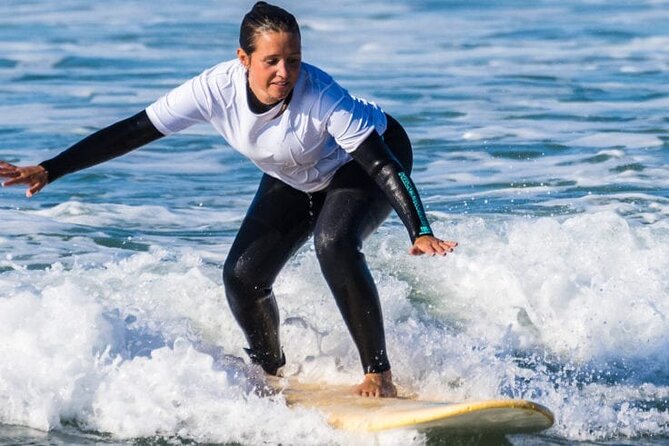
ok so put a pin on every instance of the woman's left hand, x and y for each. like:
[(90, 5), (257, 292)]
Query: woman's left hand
[(431, 245)]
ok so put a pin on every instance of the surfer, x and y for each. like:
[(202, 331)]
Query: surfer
[(334, 167)]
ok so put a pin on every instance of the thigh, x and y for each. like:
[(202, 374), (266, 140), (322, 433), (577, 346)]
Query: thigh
[(353, 206), (277, 223)]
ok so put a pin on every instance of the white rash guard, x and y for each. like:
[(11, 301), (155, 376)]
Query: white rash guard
[(302, 147)]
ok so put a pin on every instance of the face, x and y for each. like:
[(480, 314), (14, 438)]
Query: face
[(274, 66)]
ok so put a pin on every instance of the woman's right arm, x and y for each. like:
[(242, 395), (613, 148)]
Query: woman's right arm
[(103, 145)]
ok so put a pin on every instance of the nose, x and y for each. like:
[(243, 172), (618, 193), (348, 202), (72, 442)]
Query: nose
[(282, 69)]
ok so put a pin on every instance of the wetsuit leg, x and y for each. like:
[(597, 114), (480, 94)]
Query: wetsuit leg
[(278, 222), (353, 208)]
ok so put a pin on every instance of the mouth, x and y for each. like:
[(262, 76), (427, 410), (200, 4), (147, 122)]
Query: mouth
[(282, 84), (281, 89)]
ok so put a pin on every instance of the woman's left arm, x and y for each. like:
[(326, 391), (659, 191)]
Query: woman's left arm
[(378, 161)]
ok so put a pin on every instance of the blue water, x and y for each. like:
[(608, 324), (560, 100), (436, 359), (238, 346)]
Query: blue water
[(541, 140)]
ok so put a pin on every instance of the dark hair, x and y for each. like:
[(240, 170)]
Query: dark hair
[(265, 17)]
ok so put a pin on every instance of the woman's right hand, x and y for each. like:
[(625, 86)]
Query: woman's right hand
[(35, 177)]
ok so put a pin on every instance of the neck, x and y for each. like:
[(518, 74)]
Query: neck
[(259, 107), (255, 104)]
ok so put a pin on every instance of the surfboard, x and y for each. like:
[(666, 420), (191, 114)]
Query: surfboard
[(354, 413)]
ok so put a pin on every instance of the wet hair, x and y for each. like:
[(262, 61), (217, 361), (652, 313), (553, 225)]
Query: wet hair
[(264, 17)]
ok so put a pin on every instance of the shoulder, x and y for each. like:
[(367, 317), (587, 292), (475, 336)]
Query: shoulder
[(319, 81), (230, 71), (218, 85), (315, 74), (320, 87)]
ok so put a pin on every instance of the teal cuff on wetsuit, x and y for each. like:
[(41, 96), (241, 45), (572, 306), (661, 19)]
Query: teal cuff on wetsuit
[(415, 199)]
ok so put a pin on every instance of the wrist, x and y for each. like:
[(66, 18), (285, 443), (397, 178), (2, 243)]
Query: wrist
[(45, 170)]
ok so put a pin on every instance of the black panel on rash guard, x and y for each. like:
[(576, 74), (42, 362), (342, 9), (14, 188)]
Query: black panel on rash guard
[(103, 145)]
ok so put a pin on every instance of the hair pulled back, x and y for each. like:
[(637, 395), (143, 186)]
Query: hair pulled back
[(264, 17)]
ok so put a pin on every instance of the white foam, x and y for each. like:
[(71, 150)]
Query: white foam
[(52, 340), (584, 290), (589, 289), (157, 217), (155, 355), (617, 139)]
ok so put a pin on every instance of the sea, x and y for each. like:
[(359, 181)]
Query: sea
[(541, 138)]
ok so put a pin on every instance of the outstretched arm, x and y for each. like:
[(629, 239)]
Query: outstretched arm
[(378, 161), (103, 145)]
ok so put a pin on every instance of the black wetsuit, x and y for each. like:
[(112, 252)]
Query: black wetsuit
[(281, 218)]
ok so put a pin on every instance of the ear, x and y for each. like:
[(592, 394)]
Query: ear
[(244, 58)]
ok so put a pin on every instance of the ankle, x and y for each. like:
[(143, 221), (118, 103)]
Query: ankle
[(380, 377)]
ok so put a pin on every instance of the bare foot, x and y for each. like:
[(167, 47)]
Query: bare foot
[(377, 385)]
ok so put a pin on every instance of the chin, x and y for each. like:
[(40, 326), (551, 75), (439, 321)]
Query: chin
[(282, 94)]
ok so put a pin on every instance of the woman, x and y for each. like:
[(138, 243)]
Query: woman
[(333, 166)]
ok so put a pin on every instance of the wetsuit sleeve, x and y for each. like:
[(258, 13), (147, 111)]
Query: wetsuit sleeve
[(103, 145), (377, 160)]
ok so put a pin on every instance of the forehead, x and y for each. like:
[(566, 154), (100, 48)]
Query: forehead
[(275, 42)]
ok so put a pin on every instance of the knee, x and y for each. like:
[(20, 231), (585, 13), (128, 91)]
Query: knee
[(238, 280), (230, 273), (335, 248)]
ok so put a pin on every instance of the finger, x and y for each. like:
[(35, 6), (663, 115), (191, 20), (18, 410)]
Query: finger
[(426, 248), (5, 165), (434, 249), (34, 188), (450, 246), (446, 247), (13, 181), (429, 250), (440, 250), (9, 172)]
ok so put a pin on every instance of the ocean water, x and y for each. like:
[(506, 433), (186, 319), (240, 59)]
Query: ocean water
[(541, 139)]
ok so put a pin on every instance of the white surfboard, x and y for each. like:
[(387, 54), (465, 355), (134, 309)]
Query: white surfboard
[(349, 412)]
